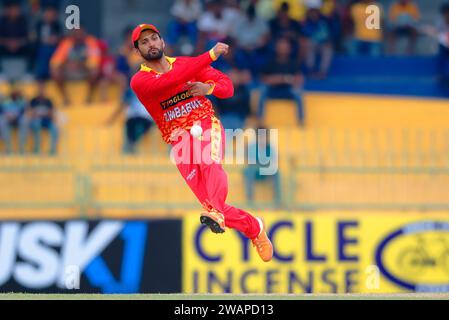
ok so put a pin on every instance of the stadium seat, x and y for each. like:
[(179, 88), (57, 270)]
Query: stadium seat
[(280, 114), (331, 161)]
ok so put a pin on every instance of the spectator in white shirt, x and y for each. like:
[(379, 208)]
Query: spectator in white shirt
[(251, 45), (216, 24), (186, 14)]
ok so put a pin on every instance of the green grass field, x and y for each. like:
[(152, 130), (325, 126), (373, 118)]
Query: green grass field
[(413, 296)]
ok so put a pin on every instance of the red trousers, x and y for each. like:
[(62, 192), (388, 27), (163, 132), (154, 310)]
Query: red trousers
[(199, 161)]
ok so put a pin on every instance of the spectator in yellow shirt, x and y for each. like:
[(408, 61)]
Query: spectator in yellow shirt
[(297, 8), (403, 17), (366, 41)]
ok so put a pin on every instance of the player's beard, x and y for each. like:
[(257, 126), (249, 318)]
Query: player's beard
[(151, 56)]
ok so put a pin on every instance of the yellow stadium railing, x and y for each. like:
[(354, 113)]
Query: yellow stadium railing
[(320, 169)]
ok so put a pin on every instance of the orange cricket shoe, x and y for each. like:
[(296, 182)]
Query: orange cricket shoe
[(214, 220), (263, 244)]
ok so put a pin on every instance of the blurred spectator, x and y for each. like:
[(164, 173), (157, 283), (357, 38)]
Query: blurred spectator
[(258, 152), (107, 70), (234, 6), (234, 111), (403, 18), (285, 27), (127, 61), (186, 14), (2, 118), (347, 23), (34, 6), (41, 115), (77, 54), (333, 11), (297, 9), (264, 8), (138, 120), (251, 45), (13, 117), (215, 24), (38, 5), (441, 34), (48, 32), (282, 79), (33, 10), (14, 37), (366, 41), (316, 29)]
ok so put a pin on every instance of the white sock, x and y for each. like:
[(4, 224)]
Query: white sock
[(260, 225)]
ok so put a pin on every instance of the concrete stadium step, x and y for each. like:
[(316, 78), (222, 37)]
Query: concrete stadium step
[(365, 148), (418, 87), (91, 115), (333, 111), (77, 91), (280, 113), (377, 189), (330, 110)]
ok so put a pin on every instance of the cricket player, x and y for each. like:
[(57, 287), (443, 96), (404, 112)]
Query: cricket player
[(174, 91)]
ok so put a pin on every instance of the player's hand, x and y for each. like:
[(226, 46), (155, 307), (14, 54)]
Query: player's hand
[(198, 88), (220, 49)]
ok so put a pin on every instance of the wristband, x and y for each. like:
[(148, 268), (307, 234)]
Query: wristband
[(212, 55), (211, 90)]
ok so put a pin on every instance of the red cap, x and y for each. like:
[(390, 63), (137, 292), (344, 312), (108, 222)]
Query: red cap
[(141, 28)]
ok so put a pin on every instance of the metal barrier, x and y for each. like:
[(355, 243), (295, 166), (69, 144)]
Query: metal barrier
[(370, 169), (320, 169), (39, 187), (318, 188)]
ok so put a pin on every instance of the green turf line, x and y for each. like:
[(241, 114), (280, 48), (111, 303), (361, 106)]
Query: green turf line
[(412, 296)]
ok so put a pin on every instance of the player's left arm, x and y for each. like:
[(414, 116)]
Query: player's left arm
[(219, 84)]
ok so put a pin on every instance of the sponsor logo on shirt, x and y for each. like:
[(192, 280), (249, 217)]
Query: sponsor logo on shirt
[(181, 111), (176, 99)]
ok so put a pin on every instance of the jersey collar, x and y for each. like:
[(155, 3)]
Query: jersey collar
[(144, 68)]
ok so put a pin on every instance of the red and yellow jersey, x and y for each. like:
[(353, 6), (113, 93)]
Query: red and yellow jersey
[(167, 99)]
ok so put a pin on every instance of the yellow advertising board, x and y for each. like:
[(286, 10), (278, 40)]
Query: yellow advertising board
[(328, 252)]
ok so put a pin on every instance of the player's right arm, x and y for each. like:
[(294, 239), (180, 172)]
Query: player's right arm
[(146, 84)]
